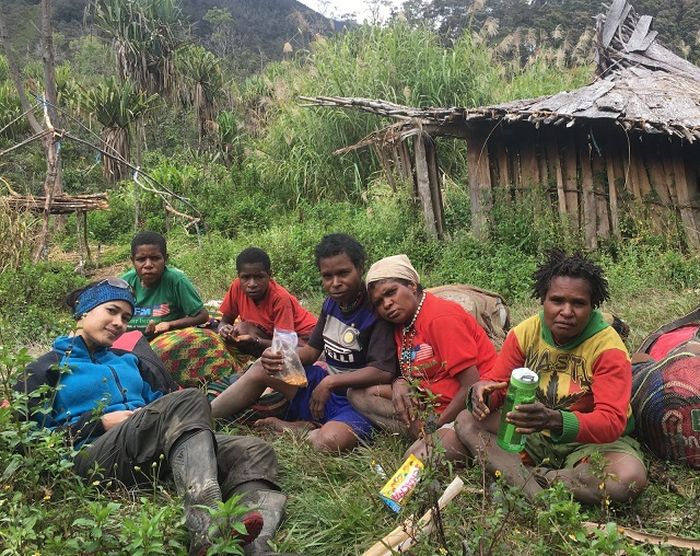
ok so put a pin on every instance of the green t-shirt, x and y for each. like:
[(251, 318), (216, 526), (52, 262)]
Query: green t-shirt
[(174, 297)]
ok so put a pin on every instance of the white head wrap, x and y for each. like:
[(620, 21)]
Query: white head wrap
[(396, 266)]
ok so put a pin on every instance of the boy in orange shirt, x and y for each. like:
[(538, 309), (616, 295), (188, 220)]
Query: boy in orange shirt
[(262, 305)]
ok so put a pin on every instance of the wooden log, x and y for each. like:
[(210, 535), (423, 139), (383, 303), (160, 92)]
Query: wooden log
[(601, 194), (588, 194), (684, 197), (500, 154), (529, 167), (644, 184), (554, 162), (570, 171), (423, 184), (409, 167), (479, 181), (610, 156), (543, 167), (654, 155), (516, 160), (435, 185)]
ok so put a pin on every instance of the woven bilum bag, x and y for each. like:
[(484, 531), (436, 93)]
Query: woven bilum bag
[(666, 404)]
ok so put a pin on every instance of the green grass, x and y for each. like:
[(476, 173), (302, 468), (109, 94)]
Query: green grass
[(333, 505)]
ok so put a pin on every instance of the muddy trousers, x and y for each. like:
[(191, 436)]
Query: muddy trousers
[(136, 452)]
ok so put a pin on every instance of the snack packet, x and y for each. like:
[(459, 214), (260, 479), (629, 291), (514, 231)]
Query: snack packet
[(285, 342), (397, 489)]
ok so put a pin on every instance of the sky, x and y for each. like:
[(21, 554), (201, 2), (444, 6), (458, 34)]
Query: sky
[(363, 8)]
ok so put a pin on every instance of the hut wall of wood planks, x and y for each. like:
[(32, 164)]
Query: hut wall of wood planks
[(593, 177)]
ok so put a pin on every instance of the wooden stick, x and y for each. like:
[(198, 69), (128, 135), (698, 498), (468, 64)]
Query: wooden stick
[(403, 536), (649, 538)]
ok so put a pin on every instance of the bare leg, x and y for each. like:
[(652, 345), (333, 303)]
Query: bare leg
[(374, 402), (246, 390), (276, 424), (333, 437), (480, 439), (624, 475), (454, 449)]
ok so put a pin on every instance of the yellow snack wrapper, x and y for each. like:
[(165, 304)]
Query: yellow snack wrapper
[(402, 483)]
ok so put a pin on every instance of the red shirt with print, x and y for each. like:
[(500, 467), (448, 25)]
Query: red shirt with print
[(278, 309), (448, 340)]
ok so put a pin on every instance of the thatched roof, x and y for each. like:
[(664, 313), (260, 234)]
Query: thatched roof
[(641, 86)]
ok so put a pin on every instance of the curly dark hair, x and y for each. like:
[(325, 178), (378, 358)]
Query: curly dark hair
[(338, 244), (149, 238), (558, 263), (253, 255)]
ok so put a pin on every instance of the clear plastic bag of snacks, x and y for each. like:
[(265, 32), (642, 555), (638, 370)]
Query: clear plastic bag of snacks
[(285, 342)]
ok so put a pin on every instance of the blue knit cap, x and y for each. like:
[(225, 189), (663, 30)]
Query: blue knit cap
[(109, 289)]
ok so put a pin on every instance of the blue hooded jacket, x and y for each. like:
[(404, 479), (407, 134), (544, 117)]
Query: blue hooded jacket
[(88, 385)]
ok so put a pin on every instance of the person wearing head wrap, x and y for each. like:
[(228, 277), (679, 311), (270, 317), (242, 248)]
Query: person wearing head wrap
[(129, 423), (441, 351)]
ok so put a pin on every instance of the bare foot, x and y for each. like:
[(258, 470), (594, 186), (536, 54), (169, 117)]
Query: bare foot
[(276, 424)]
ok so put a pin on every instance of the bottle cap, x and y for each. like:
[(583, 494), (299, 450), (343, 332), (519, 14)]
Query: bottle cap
[(523, 374)]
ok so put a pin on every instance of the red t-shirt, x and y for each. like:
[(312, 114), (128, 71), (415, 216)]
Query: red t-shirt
[(448, 341), (278, 309)]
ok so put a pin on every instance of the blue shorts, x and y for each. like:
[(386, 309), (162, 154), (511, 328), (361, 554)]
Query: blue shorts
[(338, 406)]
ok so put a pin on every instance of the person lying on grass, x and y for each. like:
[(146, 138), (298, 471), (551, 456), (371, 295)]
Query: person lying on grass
[(359, 352), (583, 395), (441, 350), (131, 425), (165, 298), (262, 305)]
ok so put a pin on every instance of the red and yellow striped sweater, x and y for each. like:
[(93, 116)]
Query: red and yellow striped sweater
[(589, 380)]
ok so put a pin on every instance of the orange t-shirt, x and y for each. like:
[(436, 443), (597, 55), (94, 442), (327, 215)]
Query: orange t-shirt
[(278, 309)]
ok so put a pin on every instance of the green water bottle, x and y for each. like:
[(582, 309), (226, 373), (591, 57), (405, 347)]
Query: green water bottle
[(521, 390)]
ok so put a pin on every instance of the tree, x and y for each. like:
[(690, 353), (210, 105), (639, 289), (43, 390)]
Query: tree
[(52, 181), (117, 106), (223, 34), (201, 84), (145, 35)]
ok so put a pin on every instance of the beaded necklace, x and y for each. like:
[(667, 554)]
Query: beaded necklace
[(408, 334)]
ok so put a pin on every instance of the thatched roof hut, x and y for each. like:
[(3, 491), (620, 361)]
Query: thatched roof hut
[(632, 135)]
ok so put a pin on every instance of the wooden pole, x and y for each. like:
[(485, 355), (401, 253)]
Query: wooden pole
[(588, 197), (601, 194), (479, 181), (554, 160), (423, 183), (570, 173), (435, 185), (610, 155)]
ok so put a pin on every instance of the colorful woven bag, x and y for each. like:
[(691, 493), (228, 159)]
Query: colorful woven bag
[(666, 405)]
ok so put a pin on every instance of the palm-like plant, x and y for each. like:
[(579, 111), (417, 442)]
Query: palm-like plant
[(201, 83), (116, 105), (145, 36), (11, 122)]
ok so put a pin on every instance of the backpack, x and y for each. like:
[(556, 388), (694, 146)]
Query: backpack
[(488, 308), (666, 403)]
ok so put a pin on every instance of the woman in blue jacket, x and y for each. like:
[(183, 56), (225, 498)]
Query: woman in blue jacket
[(124, 414)]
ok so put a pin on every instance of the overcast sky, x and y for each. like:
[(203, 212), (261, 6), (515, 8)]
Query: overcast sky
[(337, 8)]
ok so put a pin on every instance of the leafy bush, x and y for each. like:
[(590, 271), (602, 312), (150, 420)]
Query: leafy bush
[(31, 301)]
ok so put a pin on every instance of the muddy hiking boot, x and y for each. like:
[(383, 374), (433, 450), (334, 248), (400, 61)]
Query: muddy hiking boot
[(270, 504), (193, 463)]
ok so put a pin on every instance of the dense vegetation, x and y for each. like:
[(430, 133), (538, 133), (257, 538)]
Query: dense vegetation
[(258, 169)]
